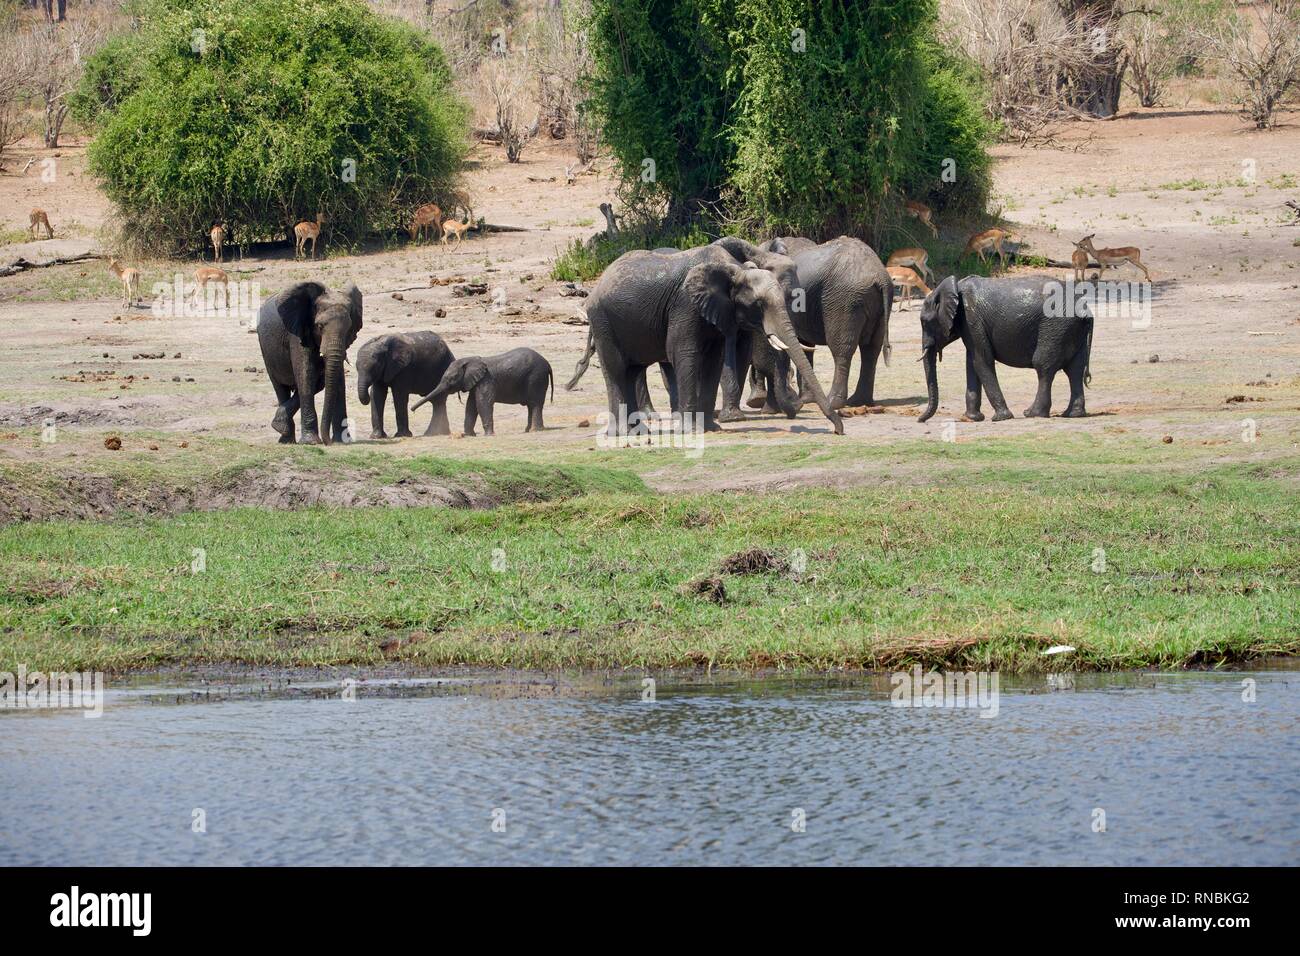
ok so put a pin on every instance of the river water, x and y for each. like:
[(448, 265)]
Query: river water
[(582, 769)]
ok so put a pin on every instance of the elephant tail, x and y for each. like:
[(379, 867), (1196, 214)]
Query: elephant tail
[(581, 368), (888, 349), (550, 373)]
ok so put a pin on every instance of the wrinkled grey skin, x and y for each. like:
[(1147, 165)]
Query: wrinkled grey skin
[(681, 308), (406, 363), (305, 332), (847, 300), (1005, 320), (517, 377)]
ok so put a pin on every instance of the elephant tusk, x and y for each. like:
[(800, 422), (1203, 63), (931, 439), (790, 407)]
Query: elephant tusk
[(775, 342)]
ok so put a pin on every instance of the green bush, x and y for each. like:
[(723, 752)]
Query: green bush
[(802, 116), (256, 112)]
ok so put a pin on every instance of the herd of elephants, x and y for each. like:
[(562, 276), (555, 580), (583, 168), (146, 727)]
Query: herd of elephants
[(710, 317)]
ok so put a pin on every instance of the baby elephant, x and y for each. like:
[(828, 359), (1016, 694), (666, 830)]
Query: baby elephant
[(517, 377), (409, 363)]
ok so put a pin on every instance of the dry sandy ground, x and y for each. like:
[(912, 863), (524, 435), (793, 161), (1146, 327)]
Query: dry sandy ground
[(1224, 320)]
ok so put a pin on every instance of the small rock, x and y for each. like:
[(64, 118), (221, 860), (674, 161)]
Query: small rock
[(584, 424), (440, 313), (113, 443), (399, 297), (1168, 439), (1153, 358), (153, 446)]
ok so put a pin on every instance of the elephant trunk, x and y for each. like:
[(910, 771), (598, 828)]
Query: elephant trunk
[(931, 384), (363, 387), (436, 393), (333, 390), (784, 331), (786, 398)]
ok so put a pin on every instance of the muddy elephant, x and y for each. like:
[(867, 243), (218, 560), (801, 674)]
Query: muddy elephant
[(305, 332), (517, 377), (405, 363), (1023, 322)]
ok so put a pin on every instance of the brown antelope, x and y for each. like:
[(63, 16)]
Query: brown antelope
[(39, 218), (307, 230), (1079, 259), (453, 228), (907, 280), (204, 275), (427, 215), (914, 257), (922, 212), (1113, 257), (130, 282), (218, 237), (990, 239)]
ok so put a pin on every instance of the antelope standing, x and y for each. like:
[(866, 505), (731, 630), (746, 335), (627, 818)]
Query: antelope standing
[(427, 215), (130, 282), (1114, 257), (218, 237), (204, 275), (307, 230), (907, 280), (453, 228), (39, 218), (914, 257), (990, 239), (922, 212), (1079, 259)]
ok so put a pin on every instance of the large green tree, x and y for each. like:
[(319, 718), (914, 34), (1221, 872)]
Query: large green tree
[(808, 116)]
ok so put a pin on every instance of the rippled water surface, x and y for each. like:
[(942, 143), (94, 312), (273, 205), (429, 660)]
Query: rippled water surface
[(587, 772)]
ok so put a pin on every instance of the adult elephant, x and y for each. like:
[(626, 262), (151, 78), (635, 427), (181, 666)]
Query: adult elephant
[(686, 309), (305, 332), (1019, 322), (407, 363)]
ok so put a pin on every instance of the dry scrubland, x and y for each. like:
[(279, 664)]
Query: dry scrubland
[(883, 546)]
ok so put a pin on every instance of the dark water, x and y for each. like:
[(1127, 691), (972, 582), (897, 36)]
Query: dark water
[(712, 772)]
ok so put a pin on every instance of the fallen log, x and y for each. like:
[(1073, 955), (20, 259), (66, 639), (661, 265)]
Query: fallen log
[(21, 265)]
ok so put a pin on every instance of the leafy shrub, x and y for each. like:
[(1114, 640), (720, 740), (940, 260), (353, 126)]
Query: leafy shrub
[(256, 112), (585, 261)]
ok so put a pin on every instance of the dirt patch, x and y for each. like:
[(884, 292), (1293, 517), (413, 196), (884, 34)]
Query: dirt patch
[(754, 561)]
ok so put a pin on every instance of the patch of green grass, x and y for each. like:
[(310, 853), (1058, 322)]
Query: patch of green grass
[(584, 261), (1134, 569)]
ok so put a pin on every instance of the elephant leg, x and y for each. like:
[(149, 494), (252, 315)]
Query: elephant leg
[(869, 350), (1042, 405), (634, 389), (1075, 373), (438, 424), (643, 401), (732, 384), (840, 385), (805, 392), (614, 368), (402, 410), (378, 398), (669, 375), (711, 372), (471, 414), (973, 396), (535, 423), (288, 407), (485, 409), (687, 364), (306, 379), (336, 430), (988, 378)]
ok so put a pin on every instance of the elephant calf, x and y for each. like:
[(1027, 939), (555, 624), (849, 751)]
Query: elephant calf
[(517, 377), (405, 363), (1018, 322)]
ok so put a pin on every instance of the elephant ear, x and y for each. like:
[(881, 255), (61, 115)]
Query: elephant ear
[(475, 372), (777, 246), (353, 295), (709, 287), (946, 300), (297, 310)]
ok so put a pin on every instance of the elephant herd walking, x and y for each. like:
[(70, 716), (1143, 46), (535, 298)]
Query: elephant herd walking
[(710, 317)]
